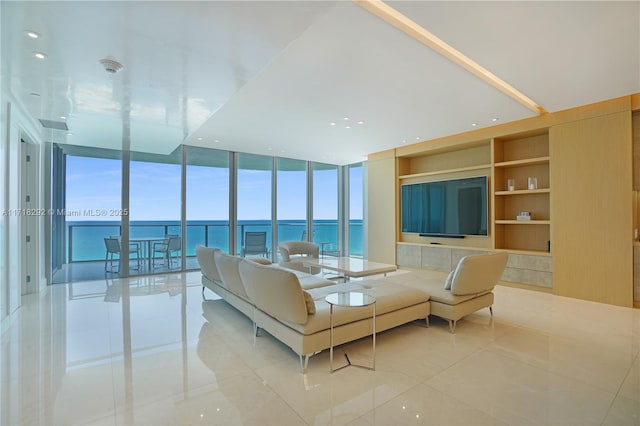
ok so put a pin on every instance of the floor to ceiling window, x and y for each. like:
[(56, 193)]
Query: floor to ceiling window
[(90, 198), (356, 209), (254, 205), (292, 199), (155, 211), (88, 214), (207, 199), (325, 207)]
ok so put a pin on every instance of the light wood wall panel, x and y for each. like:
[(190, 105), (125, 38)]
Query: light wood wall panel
[(381, 207), (636, 150), (591, 209)]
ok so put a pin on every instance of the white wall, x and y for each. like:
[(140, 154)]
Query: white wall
[(16, 124)]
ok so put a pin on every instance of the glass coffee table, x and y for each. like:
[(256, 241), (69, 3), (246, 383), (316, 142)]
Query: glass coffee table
[(350, 299), (350, 267)]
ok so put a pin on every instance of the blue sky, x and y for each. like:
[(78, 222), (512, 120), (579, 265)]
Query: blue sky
[(94, 184)]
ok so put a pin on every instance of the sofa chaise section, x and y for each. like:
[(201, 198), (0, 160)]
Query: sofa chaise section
[(467, 289), (301, 321)]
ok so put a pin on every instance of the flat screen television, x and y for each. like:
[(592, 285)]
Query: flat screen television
[(449, 208)]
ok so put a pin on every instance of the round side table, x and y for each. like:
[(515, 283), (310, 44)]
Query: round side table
[(350, 299)]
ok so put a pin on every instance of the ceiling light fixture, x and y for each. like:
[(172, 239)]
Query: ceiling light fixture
[(33, 34), (494, 119), (62, 117), (39, 55), (347, 127), (474, 124), (332, 123), (199, 138), (412, 29), (360, 122), (346, 118), (217, 140)]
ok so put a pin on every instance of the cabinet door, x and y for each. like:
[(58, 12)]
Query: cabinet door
[(591, 207)]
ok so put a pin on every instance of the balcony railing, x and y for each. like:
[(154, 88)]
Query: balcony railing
[(85, 240)]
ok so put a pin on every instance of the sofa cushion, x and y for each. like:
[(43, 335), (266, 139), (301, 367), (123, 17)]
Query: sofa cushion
[(275, 291), (308, 281), (228, 268), (389, 297), (429, 282), (478, 273), (207, 262)]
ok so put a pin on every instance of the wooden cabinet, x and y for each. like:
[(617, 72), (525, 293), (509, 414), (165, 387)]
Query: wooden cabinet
[(586, 205), (518, 158)]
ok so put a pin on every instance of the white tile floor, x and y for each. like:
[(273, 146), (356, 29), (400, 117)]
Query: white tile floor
[(91, 354)]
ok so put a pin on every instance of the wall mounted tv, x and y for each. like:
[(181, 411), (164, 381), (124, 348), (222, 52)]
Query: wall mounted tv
[(449, 208)]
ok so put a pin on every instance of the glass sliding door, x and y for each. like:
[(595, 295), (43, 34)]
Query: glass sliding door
[(292, 199), (253, 212), (88, 210), (356, 208), (207, 201), (155, 233), (325, 208)]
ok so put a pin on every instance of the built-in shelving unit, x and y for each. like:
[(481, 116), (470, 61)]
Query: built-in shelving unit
[(518, 157), (447, 171), (584, 208)]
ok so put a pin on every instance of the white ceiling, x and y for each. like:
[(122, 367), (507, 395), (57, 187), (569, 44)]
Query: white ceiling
[(269, 77)]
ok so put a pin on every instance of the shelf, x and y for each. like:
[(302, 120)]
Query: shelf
[(522, 222), (520, 163), (524, 192), (528, 252), (439, 172)]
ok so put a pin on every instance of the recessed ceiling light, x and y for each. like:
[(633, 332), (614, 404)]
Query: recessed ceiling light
[(346, 118), (217, 140), (494, 119), (62, 117), (347, 127), (333, 123), (33, 34), (39, 55), (417, 138), (69, 133), (199, 138), (360, 122), (474, 124), (404, 141)]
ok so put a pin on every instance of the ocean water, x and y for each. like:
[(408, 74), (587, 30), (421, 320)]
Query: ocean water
[(85, 239)]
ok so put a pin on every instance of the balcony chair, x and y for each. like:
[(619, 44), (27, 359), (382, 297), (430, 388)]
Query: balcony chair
[(168, 249), (112, 244), (255, 243)]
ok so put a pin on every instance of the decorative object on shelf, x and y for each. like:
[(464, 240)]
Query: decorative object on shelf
[(524, 216), (511, 184), (532, 182)]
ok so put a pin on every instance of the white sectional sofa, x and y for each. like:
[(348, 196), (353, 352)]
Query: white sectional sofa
[(290, 304)]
